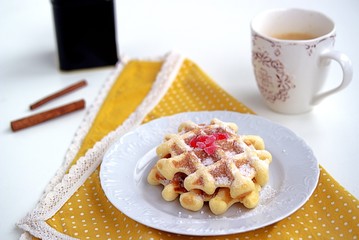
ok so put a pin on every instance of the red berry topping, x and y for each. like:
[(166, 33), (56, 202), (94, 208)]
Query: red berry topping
[(207, 142), (210, 149), (221, 136)]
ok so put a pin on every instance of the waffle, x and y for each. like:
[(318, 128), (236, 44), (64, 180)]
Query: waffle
[(211, 163)]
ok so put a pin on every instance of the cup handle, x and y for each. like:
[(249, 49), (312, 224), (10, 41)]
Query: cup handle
[(347, 68)]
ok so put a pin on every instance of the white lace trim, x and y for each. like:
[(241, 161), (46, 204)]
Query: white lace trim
[(84, 127), (63, 185)]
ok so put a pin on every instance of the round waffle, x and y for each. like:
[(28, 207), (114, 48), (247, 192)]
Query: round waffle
[(211, 163)]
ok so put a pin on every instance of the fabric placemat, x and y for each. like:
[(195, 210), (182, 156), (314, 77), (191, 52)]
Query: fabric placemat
[(74, 204)]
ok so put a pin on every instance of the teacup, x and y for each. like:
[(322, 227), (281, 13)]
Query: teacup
[(291, 53)]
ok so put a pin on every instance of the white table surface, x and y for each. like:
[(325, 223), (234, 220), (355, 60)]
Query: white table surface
[(214, 34)]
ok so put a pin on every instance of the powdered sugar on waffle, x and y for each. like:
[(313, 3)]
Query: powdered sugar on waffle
[(222, 180), (246, 170), (208, 161)]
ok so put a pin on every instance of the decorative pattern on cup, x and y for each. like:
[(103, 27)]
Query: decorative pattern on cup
[(276, 89), (310, 48)]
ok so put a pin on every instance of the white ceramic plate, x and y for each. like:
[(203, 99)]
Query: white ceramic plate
[(293, 174)]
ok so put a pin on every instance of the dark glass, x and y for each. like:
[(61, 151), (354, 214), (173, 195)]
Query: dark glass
[(85, 33)]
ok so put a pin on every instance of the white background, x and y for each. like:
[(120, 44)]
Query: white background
[(214, 34)]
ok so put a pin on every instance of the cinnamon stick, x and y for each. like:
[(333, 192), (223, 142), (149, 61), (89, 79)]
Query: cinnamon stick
[(47, 115), (58, 94)]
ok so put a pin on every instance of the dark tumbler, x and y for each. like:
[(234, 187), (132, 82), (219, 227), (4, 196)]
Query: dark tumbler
[(85, 33)]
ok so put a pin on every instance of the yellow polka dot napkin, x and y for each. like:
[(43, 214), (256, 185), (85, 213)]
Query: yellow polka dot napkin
[(74, 205)]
